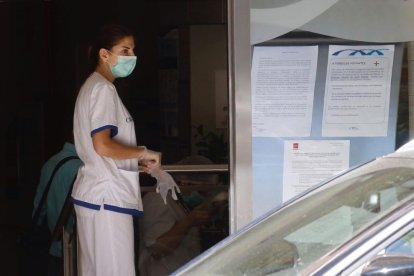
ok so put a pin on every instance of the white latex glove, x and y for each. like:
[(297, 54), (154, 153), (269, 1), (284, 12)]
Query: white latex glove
[(151, 160), (165, 182)]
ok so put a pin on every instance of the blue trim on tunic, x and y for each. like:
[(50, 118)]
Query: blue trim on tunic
[(86, 204), (127, 211), (112, 208), (114, 130)]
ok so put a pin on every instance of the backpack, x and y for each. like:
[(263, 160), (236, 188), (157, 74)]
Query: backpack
[(34, 245)]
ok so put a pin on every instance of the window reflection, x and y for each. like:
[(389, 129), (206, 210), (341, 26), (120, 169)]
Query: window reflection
[(174, 232), (404, 245)]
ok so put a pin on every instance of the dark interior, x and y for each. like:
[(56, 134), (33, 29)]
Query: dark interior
[(44, 50)]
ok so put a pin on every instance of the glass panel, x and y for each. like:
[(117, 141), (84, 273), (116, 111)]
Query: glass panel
[(273, 18), (193, 92), (191, 114), (275, 24), (368, 20), (171, 233)]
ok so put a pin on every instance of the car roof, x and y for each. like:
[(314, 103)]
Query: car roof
[(406, 151), (409, 146)]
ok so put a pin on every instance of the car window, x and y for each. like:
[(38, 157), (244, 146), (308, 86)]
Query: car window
[(404, 245), (298, 235)]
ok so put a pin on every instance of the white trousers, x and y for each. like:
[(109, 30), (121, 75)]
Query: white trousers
[(105, 243)]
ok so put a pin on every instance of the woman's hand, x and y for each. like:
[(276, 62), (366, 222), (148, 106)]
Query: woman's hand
[(150, 160)]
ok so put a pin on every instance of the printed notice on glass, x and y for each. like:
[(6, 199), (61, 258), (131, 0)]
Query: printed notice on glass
[(283, 83), (308, 162), (357, 93)]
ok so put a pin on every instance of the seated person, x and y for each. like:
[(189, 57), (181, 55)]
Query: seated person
[(169, 233)]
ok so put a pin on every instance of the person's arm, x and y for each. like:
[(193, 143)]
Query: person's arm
[(167, 242), (104, 145)]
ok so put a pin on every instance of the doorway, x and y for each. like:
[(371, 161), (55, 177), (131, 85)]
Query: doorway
[(178, 93)]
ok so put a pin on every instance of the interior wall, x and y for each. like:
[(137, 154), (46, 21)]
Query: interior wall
[(208, 55)]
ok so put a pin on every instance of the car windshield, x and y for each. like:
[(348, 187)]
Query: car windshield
[(289, 240)]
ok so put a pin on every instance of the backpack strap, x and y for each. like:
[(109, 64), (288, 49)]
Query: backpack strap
[(64, 215)]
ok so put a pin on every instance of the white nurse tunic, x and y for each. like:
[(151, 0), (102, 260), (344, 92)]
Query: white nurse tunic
[(106, 191)]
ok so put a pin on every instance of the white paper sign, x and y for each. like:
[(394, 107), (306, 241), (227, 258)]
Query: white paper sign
[(283, 82), (357, 93), (308, 162)]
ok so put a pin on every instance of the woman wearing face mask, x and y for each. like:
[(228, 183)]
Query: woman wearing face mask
[(106, 192)]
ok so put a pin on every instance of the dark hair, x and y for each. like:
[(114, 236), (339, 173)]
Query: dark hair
[(107, 36)]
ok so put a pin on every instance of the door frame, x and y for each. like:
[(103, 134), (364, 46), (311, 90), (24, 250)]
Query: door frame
[(240, 136)]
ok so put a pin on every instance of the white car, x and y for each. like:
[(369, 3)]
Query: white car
[(358, 223)]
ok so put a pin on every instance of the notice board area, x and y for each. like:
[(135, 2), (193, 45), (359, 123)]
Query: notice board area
[(319, 107)]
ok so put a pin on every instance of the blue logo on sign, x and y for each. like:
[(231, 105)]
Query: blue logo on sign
[(362, 52)]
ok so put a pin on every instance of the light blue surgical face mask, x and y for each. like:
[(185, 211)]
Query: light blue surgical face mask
[(124, 66)]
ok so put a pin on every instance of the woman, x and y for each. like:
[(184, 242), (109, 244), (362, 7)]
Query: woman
[(106, 192)]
